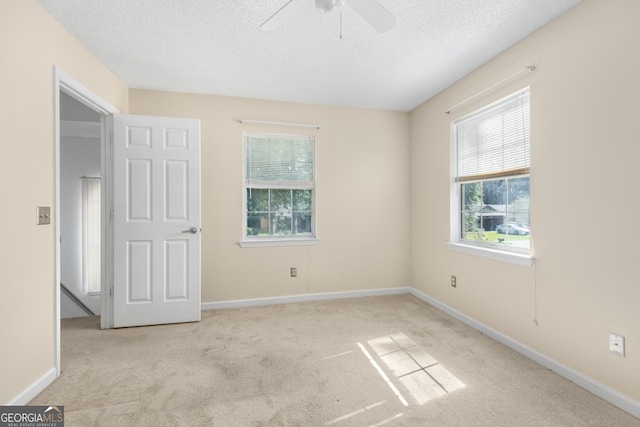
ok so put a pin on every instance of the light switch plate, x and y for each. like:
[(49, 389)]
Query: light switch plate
[(44, 215)]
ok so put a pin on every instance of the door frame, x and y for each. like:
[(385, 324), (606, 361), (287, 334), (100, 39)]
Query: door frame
[(67, 84)]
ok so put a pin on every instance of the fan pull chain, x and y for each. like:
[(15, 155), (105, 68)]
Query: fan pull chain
[(340, 25)]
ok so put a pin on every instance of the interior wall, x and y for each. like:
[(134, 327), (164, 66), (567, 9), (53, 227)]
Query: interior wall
[(32, 43), (584, 150), (362, 197), (584, 184)]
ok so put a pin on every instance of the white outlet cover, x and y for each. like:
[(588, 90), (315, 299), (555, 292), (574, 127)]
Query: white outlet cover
[(616, 344)]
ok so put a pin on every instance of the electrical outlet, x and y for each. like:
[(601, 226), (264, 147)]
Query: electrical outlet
[(43, 215), (454, 282), (294, 272), (616, 344)]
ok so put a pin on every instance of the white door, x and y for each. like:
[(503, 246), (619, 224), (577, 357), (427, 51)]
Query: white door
[(156, 220)]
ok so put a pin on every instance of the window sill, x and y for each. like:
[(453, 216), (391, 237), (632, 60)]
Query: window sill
[(256, 243), (495, 254)]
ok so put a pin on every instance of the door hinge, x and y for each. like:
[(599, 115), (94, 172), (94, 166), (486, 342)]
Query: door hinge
[(110, 292)]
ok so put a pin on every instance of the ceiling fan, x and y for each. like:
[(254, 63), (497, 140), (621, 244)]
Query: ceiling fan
[(372, 12)]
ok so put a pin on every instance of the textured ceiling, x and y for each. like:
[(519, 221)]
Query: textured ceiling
[(216, 47)]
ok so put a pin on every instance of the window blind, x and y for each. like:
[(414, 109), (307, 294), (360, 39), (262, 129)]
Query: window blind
[(495, 141), (279, 159), (91, 246)]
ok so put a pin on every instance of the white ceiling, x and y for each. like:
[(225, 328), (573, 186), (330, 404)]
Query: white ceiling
[(216, 47)]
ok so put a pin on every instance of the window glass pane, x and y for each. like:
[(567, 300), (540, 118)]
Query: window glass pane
[(257, 200), (301, 223), (518, 219), (472, 196), (470, 224), (471, 210), (280, 200), (281, 224), (258, 224), (519, 195), (302, 200), (494, 194)]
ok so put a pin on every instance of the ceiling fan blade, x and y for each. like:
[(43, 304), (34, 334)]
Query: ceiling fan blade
[(374, 13), (285, 12)]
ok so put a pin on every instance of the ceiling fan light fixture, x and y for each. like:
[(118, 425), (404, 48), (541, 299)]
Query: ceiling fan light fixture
[(370, 10), (329, 5)]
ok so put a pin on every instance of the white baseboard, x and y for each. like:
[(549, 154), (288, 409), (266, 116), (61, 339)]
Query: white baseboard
[(301, 298), (621, 401), (33, 390)]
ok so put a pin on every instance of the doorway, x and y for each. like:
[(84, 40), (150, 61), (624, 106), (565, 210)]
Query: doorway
[(73, 102), (80, 209)]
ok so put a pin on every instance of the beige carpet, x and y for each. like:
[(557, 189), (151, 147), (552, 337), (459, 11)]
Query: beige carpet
[(392, 361)]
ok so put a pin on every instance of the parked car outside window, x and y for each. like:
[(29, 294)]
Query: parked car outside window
[(512, 229)]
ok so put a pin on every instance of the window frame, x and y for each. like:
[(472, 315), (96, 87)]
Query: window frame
[(519, 256), (274, 240)]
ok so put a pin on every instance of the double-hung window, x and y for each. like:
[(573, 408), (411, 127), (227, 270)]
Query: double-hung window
[(279, 189), (491, 178)]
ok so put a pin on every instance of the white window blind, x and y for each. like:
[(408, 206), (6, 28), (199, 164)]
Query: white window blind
[(495, 141), (91, 276), (279, 160)]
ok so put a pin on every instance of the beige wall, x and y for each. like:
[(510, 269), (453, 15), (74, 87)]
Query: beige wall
[(584, 189), (584, 193), (31, 43), (362, 197)]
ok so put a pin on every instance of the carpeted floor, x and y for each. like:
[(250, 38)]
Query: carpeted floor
[(392, 361)]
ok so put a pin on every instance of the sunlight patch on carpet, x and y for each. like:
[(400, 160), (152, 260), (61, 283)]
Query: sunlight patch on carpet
[(333, 356), (384, 376), (354, 413), (388, 420), (421, 374)]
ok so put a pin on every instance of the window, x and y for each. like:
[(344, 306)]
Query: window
[(91, 247), (492, 149), (279, 188)]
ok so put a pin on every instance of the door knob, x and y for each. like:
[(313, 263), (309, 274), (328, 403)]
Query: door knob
[(192, 230)]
